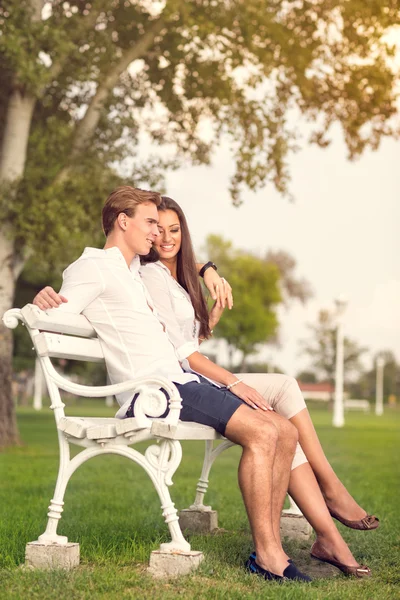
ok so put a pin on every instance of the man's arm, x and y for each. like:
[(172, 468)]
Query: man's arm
[(82, 283)]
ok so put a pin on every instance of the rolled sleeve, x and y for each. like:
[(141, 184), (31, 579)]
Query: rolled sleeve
[(186, 350)]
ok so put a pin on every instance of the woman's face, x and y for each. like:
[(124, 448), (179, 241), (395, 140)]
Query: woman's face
[(168, 243)]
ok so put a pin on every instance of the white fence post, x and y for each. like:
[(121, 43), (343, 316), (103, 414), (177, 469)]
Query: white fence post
[(338, 408), (380, 363)]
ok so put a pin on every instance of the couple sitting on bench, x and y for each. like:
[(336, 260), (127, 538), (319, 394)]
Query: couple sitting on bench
[(142, 295)]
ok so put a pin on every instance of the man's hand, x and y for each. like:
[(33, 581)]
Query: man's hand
[(219, 289), (250, 396), (215, 315), (48, 298)]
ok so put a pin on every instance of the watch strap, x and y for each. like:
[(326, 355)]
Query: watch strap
[(207, 266)]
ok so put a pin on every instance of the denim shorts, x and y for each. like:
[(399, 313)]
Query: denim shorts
[(203, 403)]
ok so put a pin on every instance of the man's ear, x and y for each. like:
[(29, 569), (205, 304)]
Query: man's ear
[(121, 220)]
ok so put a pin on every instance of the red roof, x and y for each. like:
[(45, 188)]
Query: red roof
[(316, 387)]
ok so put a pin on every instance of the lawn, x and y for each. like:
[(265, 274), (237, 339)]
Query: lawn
[(112, 510)]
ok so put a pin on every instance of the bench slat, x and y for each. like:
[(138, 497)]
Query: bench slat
[(57, 321), (74, 348)]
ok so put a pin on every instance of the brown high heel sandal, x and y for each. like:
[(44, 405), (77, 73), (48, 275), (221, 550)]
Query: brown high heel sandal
[(364, 524), (319, 553)]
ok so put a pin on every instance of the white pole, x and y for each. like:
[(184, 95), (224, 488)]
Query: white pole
[(38, 386), (380, 363), (338, 409)]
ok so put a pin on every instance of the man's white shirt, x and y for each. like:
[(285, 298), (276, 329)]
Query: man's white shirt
[(112, 296)]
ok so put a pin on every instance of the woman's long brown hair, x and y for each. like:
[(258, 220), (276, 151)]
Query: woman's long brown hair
[(187, 273)]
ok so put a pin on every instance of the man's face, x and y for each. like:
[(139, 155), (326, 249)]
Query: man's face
[(142, 229)]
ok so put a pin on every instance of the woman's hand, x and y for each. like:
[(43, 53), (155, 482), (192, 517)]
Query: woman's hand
[(48, 298), (250, 396), (219, 288)]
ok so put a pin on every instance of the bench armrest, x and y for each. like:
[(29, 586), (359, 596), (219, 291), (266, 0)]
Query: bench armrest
[(151, 401)]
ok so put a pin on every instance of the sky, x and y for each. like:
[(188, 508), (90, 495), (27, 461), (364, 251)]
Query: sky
[(342, 228)]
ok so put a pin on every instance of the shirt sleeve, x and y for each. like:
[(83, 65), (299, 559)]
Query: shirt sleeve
[(82, 283), (160, 293)]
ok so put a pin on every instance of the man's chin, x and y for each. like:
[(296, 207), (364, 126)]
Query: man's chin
[(145, 252)]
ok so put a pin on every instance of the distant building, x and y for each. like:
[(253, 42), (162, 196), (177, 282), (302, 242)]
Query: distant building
[(318, 391)]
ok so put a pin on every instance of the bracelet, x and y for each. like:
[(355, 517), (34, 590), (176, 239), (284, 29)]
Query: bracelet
[(207, 266), (228, 387)]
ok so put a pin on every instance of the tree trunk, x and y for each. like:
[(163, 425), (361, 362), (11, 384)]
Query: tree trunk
[(8, 424), (16, 134), (14, 145), (12, 165)]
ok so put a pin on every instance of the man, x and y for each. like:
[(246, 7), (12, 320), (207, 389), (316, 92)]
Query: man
[(106, 287)]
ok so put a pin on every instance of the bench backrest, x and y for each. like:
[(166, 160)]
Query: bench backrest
[(62, 335)]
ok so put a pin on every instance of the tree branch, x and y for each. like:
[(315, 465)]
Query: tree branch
[(85, 129), (87, 23)]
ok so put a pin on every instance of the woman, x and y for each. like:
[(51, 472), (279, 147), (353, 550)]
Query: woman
[(171, 277), (174, 287)]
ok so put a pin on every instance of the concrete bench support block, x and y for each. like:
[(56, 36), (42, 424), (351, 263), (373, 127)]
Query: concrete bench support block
[(52, 556), (173, 564), (198, 521), (295, 527)]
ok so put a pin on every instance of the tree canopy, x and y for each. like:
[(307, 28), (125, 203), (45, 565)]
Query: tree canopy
[(184, 73)]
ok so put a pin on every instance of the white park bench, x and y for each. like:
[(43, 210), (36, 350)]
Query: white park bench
[(60, 335)]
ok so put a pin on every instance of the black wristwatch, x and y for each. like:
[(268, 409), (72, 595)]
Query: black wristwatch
[(207, 266)]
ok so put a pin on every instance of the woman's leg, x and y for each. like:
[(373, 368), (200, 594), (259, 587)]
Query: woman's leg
[(305, 491), (283, 393), (335, 494)]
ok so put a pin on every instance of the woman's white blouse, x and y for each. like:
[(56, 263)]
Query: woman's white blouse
[(174, 308)]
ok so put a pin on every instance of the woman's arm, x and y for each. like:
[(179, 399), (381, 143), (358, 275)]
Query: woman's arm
[(206, 367), (219, 288)]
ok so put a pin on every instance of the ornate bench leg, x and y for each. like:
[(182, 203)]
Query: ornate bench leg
[(199, 518), (161, 462), (53, 551), (50, 536), (174, 558)]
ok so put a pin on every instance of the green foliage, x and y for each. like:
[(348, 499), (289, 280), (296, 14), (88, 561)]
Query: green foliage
[(240, 66), (255, 282), (321, 348)]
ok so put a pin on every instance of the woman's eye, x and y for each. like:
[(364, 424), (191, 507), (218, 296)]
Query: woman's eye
[(174, 230)]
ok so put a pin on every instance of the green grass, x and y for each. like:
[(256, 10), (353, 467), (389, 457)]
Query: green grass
[(112, 510)]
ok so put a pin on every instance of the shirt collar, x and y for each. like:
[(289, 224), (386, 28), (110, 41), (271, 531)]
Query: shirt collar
[(113, 253)]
